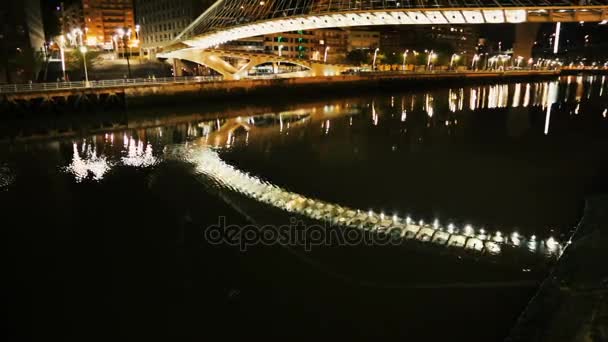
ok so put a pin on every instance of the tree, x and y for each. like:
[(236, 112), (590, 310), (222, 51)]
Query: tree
[(391, 58), (358, 57)]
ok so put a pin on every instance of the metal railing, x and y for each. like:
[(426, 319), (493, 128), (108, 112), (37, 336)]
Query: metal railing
[(40, 87)]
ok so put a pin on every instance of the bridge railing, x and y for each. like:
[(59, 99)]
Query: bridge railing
[(134, 82)]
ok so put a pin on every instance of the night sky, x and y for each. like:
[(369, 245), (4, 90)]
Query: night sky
[(504, 33)]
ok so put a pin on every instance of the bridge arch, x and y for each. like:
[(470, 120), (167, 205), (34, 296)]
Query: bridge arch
[(228, 20), (212, 58)]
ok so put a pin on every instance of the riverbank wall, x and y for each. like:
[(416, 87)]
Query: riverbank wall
[(572, 303), (249, 91), (278, 89)]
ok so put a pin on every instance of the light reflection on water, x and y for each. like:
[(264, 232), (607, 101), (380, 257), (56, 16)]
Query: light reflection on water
[(418, 118), (87, 162), (6, 177)]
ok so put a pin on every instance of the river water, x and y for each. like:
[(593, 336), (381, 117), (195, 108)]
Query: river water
[(104, 231)]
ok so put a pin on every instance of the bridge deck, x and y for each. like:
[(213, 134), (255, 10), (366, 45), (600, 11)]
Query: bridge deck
[(231, 20)]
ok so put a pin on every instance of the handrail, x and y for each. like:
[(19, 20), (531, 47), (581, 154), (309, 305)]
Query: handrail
[(37, 87)]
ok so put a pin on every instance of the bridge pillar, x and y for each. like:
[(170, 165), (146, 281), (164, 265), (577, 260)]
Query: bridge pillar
[(525, 36), (178, 66)]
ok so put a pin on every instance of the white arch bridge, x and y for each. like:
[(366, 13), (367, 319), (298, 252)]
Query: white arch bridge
[(229, 20)]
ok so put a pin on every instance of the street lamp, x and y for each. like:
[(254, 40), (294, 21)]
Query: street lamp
[(375, 56), (62, 53), (453, 59), (325, 56), (404, 58), (475, 60), (431, 56), (137, 28), (124, 37), (83, 50)]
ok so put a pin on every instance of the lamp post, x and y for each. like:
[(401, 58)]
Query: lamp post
[(83, 50), (79, 34), (115, 45), (137, 28), (404, 59), (280, 55), (475, 60), (62, 53), (375, 56), (453, 59), (430, 58), (124, 37)]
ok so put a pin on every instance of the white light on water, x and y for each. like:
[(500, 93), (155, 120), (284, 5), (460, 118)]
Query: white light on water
[(451, 228), (209, 163)]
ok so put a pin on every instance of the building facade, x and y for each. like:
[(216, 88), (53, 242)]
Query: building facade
[(162, 20), (102, 19), (461, 39), (363, 40), (21, 39), (330, 43), (296, 44)]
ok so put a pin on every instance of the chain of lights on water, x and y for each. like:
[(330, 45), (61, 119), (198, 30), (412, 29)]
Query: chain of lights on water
[(210, 164)]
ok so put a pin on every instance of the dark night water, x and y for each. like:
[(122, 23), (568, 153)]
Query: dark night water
[(103, 232)]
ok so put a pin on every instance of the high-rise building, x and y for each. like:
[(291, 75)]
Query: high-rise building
[(104, 17), (162, 20), (71, 17), (21, 39)]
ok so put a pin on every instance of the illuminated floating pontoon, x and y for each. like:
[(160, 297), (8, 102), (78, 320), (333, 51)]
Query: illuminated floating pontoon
[(208, 162)]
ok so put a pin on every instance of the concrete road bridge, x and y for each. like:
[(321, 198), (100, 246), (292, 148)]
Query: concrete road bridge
[(229, 20), (216, 59)]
